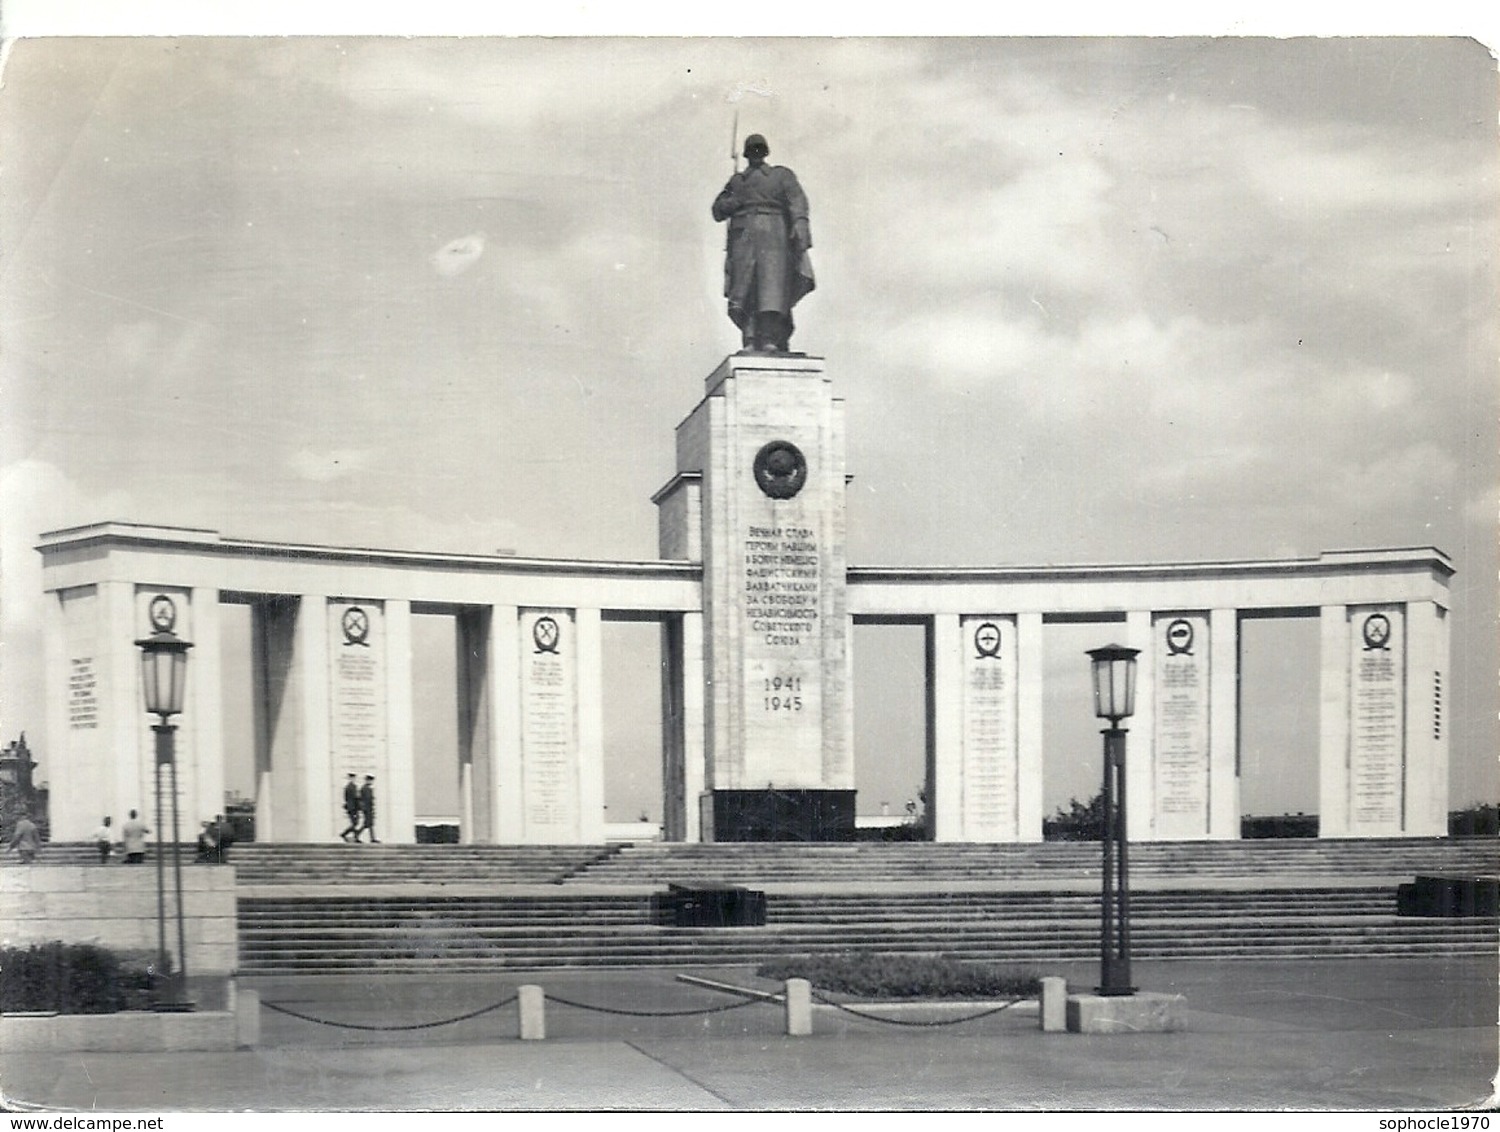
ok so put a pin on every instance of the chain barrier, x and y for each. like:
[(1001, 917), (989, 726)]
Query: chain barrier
[(906, 1022), (639, 1013), (409, 1026), (653, 1013)]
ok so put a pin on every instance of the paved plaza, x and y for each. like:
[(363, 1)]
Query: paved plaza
[(1326, 1034)]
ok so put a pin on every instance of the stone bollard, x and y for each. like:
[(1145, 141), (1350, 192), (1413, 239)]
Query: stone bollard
[(533, 1013), (798, 1008), (1054, 1011), (246, 1019)]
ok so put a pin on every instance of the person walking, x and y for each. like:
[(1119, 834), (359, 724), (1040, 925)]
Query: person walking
[(367, 809), (104, 839), (25, 840), (351, 809), (133, 839)]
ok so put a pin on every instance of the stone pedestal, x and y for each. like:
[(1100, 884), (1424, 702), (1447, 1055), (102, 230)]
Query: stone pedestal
[(760, 475), (1143, 1013)]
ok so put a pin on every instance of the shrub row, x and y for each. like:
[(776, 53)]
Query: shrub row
[(878, 975), (74, 978)]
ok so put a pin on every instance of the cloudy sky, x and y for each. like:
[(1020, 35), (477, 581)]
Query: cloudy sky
[(1087, 300)]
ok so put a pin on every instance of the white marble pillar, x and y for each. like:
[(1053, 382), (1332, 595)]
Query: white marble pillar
[(1333, 722), (67, 806), (590, 751), (126, 743), (314, 766), (507, 802), (1140, 785), (475, 741), (990, 767), (1224, 726), (278, 786), (396, 813), (206, 689), (694, 723), (1030, 656), (1377, 675), (945, 807), (1426, 720)]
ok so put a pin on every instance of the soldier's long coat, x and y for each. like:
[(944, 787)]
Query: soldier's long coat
[(762, 270)]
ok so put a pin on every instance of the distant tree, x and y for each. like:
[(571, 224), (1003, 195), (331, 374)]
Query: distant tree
[(1079, 822)]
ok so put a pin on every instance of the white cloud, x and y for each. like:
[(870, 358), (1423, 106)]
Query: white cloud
[(457, 256)]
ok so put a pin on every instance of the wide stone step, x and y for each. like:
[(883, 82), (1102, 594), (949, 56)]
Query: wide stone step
[(361, 963)]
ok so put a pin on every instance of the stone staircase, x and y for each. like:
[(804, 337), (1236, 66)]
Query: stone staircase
[(353, 935), (264, 863), (335, 908), (1020, 903), (780, 863), (259, 864)]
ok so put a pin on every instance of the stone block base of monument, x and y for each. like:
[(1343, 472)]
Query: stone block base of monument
[(709, 906), (1450, 897), (1144, 1013), (783, 815)]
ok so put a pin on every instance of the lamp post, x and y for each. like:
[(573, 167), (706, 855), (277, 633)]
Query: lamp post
[(1114, 700), (163, 678)]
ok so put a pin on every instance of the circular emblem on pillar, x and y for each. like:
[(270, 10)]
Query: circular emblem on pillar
[(163, 613), (544, 634), (987, 640), (1376, 631), (780, 469), (1180, 638), (356, 625)]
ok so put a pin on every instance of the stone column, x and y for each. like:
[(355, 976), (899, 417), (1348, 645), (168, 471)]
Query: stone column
[(398, 824), (1377, 675), (314, 768), (475, 735), (206, 687), (1333, 722), (694, 726), (99, 761), (1030, 656), (125, 750), (1140, 785), (1224, 725), (1182, 666), (682, 727), (590, 751), (1426, 720), (505, 724), (68, 817), (945, 686), (559, 668), (278, 737), (990, 787)]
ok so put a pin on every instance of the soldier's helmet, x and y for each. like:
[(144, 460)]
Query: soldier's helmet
[(756, 144)]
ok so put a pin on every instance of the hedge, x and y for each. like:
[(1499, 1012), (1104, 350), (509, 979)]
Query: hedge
[(74, 978), (879, 975)]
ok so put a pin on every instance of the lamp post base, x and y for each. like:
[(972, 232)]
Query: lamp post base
[(171, 996)]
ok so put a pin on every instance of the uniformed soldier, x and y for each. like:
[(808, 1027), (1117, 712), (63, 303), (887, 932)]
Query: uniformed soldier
[(766, 266)]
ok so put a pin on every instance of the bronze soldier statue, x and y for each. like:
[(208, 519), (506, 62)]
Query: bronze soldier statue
[(766, 266)]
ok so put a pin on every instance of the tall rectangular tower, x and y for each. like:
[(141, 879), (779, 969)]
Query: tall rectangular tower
[(759, 499)]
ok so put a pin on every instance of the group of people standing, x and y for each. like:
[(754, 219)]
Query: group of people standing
[(132, 840), (359, 807)]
